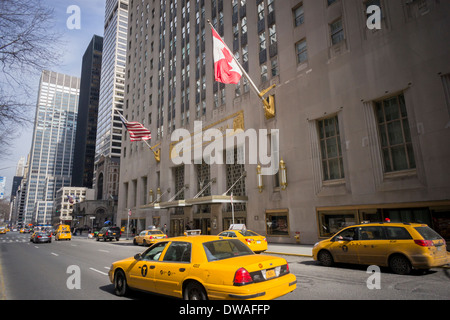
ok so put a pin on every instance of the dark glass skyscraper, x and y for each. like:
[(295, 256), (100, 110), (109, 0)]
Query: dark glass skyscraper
[(84, 156)]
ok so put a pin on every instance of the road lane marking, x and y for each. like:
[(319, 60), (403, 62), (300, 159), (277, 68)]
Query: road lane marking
[(101, 250), (55, 254), (101, 272)]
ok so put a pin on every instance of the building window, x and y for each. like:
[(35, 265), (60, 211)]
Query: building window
[(330, 222), (330, 2), (277, 222), (299, 15), (395, 135), (302, 51), (330, 148), (337, 32)]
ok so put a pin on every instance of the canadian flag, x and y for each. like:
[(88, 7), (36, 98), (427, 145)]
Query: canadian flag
[(226, 70)]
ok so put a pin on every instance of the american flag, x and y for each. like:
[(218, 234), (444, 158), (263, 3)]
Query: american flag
[(136, 130)]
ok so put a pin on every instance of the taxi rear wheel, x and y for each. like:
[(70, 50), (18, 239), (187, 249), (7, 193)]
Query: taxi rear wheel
[(400, 264), (120, 283), (194, 291)]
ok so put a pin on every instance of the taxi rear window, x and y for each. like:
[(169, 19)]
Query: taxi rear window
[(225, 249), (428, 234)]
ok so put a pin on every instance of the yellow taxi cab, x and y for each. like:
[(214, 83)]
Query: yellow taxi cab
[(149, 237), (256, 242), (2, 230), (201, 268), (22, 230), (62, 232), (400, 246)]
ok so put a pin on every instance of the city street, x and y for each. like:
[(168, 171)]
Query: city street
[(41, 272)]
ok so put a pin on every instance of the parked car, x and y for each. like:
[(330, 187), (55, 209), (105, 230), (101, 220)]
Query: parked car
[(400, 246), (108, 233), (149, 237), (256, 242)]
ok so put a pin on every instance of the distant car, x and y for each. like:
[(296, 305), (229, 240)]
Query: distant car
[(400, 246), (2, 230), (108, 233), (149, 237), (40, 237), (256, 242), (202, 268)]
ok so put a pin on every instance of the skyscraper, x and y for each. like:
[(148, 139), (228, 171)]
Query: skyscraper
[(83, 161), (51, 154), (112, 91), (112, 84)]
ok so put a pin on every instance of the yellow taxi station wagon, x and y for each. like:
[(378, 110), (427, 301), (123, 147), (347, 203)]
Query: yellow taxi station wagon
[(201, 268), (400, 246)]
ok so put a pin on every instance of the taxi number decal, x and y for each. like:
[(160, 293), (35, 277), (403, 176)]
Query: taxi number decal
[(144, 270)]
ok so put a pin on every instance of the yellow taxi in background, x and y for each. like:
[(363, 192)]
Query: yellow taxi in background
[(256, 242), (149, 237), (400, 246), (62, 232), (2, 230), (201, 268)]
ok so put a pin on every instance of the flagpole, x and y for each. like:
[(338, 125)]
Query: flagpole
[(252, 84)]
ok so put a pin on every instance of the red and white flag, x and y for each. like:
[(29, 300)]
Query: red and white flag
[(136, 130), (226, 69)]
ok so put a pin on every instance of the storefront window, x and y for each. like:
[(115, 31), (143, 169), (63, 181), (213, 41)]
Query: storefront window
[(332, 222), (277, 223)]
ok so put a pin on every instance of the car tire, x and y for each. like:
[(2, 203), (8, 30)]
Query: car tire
[(399, 264), (194, 291), (325, 258), (120, 283)]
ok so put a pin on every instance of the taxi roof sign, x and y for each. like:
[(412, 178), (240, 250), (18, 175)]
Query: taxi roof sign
[(238, 227)]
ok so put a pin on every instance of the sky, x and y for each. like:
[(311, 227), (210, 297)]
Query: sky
[(75, 42)]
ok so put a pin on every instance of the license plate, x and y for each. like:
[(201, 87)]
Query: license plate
[(270, 274), (258, 242)]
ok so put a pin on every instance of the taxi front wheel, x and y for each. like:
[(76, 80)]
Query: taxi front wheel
[(194, 291), (120, 283), (325, 258)]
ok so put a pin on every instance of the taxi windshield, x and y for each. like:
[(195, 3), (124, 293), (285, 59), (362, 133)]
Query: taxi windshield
[(225, 249), (155, 232)]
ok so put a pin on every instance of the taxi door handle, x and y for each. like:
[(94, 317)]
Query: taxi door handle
[(182, 269)]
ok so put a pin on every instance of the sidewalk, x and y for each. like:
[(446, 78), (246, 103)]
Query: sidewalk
[(301, 250)]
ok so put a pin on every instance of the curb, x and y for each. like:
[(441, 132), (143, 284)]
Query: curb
[(290, 254)]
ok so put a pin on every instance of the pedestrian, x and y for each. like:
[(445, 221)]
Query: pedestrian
[(165, 230)]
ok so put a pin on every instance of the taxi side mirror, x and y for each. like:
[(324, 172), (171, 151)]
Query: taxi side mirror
[(137, 256)]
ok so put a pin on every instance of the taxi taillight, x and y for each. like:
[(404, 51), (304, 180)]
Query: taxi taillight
[(424, 243), (242, 277)]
